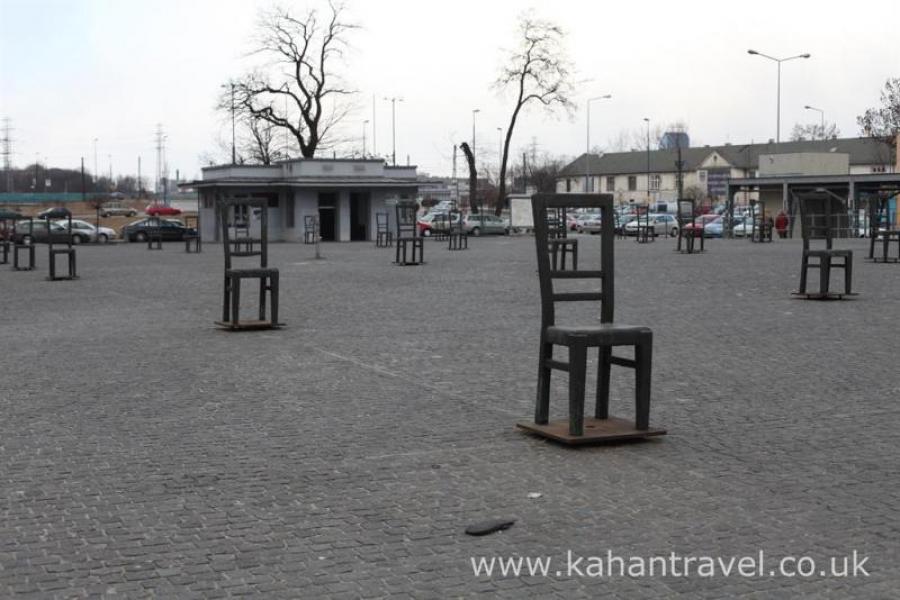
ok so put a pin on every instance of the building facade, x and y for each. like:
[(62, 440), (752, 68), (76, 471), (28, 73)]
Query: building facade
[(652, 177), (344, 194)]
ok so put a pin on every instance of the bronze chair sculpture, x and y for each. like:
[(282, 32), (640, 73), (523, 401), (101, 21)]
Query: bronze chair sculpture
[(559, 244), (409, 250), (246, 247), (384, 237), (823, 217), (68, 251), (577, 339), (25, 244)]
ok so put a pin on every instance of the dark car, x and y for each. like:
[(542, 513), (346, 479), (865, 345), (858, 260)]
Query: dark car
[(57, 212), (37, 233), (169, 230)]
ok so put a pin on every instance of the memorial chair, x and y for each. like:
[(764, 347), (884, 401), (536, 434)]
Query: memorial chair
[(244, 248), (384, 237), (410, 249), (559, 244), (605, 336), (154, 233), (68, 251), (685, 217), (440, 227), (310, 229), (459, 239), (823, 217), (192, 241), (881, 231), (8, 220), (20, 247), (760, 229), (645, 232)]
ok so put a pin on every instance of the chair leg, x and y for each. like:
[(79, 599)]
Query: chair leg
[(263, 286), (575, 256), (542, 405), (577, 376), (601, 410), (643, 357), (804, 267), (273, 298), (824, 274), (848, 273), (235, 301)]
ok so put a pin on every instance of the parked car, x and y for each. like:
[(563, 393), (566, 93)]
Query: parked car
[(700, 223), (38, 233), (432, 221), (88, 232), (169, 229), (117, 210), (481, 224), (57, 212), (589, 223), (744, 228), (662, 224), (162, 210)]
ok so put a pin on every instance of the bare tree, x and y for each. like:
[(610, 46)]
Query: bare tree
[(306, 97), (473, 178), (884, 122), (539, 71), (814, 131), (632, 140)]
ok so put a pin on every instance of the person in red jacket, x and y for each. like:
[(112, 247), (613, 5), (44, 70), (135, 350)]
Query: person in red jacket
[(781, 222)]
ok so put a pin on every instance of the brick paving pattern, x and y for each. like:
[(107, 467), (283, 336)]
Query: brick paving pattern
[(147, 454)]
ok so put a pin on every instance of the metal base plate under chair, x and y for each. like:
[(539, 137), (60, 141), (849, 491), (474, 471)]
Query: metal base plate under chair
[(248, 325), (823, 295), (596, 431)]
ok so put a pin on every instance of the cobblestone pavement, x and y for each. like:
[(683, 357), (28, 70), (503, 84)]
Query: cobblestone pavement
[(147, 454)]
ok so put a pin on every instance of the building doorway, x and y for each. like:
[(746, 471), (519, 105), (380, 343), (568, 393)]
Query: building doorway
[(359, 216), (327, 216)]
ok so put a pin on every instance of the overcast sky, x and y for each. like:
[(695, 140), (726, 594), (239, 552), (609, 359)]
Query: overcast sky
[(72, 71)]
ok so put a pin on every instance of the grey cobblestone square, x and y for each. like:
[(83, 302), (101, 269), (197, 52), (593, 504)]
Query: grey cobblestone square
[(148, 454)]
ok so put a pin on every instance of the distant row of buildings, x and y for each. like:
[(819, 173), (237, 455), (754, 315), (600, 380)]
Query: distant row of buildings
[(346, 194)]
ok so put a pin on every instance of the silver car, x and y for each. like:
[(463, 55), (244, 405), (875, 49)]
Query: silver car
[(662, 224), (484, 224)]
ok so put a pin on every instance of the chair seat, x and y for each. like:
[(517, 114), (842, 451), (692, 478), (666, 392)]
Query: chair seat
[(249, 273), (63, 251), (605, 334)]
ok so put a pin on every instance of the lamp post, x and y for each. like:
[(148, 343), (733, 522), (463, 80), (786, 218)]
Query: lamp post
[(394, 102), (647, 120), (587, 150), (95, 164), (821, 115), (365, 124), (779, 61)]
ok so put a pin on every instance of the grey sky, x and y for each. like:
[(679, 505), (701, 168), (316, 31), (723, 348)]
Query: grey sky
[(72, 71)]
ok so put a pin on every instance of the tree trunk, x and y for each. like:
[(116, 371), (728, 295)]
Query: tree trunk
[(473, 178)]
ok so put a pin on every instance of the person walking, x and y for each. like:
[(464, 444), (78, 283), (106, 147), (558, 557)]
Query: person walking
[(781, 224)]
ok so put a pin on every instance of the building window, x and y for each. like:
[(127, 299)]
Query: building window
[(701, 177), (610, 184), (655, 181), (878, 169), (632, 183)]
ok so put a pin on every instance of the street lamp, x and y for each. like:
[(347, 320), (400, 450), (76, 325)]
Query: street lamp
[(587, 152), (779, 61), (647, 120), (821, 114), (365, 124), (95, 164), (394, 102)]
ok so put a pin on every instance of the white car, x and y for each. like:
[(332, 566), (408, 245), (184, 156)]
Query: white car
[(82, 231)]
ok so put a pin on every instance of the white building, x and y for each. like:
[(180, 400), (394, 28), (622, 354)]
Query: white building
[(345, 194)]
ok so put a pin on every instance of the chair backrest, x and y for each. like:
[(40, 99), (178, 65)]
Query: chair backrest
[(406, 220), (823, 216), (227, 208), (544, 204), (382, 222), (456, 221), (309, 223), (556, 219), (685, 213)]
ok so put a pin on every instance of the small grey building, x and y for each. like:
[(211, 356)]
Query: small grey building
[(345, 194)]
